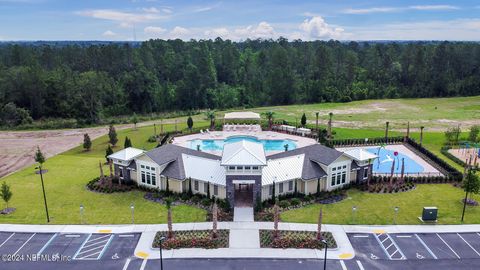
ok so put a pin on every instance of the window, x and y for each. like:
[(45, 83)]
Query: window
[(365, 173), (255, 168), (290, 186), (148, 175), (270, 190), (154, 180), (239, 168), (121, 172), (205, 187), (232, 168), (247, 168), (215, 190), (344, 177), (339, 176), (143, 177), (280, 188), (195, 185)]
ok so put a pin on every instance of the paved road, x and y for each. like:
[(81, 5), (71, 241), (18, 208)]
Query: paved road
[(115, 251)]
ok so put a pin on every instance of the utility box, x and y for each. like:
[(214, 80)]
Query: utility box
[(429, 214)]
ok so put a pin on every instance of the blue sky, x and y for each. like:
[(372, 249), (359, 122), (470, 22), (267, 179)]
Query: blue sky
[(238, 20)]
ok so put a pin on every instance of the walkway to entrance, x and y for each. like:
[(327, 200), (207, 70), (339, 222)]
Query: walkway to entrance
[(243, 195)]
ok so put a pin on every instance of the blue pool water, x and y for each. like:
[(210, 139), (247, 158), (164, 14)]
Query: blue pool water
[(217, 145), (384, 163)]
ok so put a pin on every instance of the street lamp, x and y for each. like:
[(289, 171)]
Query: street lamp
[(43, 189), (132, 207), (81, 214), (354, 210), (161, 258), (325, 260), (395, 214)]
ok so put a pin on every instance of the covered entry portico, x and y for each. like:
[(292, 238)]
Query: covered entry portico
[(243, 192)]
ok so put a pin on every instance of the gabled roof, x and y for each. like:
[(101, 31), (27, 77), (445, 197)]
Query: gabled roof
[(242, 115), (360, 154), (171, 155), (243, 153), (126, 154), (283, 169), (315, 152), (204, 169)]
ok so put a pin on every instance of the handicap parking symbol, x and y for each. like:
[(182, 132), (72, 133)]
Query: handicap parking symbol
[(115, 256), (373, 256), (420, 256)]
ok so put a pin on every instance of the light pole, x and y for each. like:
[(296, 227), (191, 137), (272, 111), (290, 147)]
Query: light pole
[(81, 214), (325, 259), (132, 207), (395, 214), (43, 189), (161, 258), (354, 210)]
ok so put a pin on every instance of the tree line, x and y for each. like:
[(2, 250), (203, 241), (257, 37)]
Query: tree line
[(89, 83)]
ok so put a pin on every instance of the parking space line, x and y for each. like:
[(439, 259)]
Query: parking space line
[(448, 245), (359, 263), (7, 239), (126, 235), (96, 243), (106, 246), (385, 249), (88, 250), (344, 267), (84, 241), (125, 267), (404, 236), (468, 244), (144, 263), (72, 235), (24, 244), (46, 244), (426, 247)]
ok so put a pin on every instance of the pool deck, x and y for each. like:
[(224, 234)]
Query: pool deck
[(428, 169), (261, 135)]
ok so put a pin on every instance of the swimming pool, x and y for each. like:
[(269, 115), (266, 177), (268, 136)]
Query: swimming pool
[(383, 164), (217, 145)]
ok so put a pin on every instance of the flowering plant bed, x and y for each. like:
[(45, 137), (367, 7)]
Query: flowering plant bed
[(295, 239), (470, 202), (192, 239), (107, 185), (7, 211)]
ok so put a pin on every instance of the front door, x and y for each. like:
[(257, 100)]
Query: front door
[(243, 195)]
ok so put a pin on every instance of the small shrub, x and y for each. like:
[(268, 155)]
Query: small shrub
[(295, 202), (284, 204)]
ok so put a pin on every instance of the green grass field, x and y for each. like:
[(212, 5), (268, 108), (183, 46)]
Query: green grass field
[(378, 208), (65, 181)]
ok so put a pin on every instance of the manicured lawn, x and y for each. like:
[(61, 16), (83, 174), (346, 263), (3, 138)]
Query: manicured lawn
[(378, 208), (65, 187)]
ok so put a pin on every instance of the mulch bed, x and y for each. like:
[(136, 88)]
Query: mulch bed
[(192, 239), (108, 186), (7, 211), (295, 239)]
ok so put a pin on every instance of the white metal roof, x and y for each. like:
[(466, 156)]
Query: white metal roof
[(204, 169), (126, 154), (243, 153), (360, 154), (242, 115), (282, 169)]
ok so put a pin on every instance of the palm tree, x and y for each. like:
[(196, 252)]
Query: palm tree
[(269, 115), (168, 204), (214, 219), (319, 226), (210, 114), (276, 217)]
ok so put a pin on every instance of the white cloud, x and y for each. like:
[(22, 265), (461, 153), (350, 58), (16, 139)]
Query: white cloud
[(151, 10), (155, 30), (115, 15), (317, 28), (109, 33), (206, 8), (218, 32), (434, 7), (371, 10), (461, 29), (167, 10), (179, 32), (263, 30)]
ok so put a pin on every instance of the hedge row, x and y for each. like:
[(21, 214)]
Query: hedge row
[(445, 152), (371, 141)]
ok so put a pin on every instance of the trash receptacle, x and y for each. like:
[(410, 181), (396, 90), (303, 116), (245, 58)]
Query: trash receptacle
[(429, 213)]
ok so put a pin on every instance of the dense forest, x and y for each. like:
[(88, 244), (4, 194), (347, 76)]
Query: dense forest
[(89, 83)]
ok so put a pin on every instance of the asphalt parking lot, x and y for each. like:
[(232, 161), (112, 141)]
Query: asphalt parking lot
[(416, 246), (65, 247)]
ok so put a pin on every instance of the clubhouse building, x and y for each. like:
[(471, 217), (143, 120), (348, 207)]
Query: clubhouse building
[(242, 171)]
